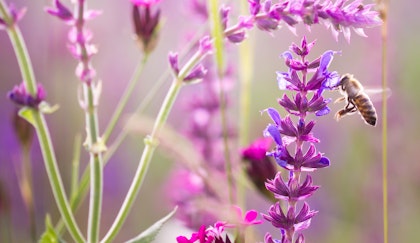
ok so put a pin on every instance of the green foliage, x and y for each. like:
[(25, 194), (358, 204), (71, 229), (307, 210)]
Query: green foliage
[(149, 234)]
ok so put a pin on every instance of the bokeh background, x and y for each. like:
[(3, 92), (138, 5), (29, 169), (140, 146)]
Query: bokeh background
[(350, 199)]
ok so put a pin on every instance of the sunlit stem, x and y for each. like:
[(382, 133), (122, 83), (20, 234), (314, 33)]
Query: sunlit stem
[(41, 126)]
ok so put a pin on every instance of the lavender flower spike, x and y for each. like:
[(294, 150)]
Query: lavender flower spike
[(286, 133)]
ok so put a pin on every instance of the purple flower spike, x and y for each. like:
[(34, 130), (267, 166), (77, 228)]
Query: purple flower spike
[(306, 79), (60, 11), (20, 96)]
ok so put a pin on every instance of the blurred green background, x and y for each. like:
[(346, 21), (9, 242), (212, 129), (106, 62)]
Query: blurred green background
[(350, 199)]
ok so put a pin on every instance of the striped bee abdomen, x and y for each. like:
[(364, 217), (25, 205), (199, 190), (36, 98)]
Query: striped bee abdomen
[(366, 108)]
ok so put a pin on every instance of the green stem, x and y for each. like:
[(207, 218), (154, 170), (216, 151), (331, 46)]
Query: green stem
[(20, 49), (75, 167), (151, 143), (95, 148), (124, 99), (384, 35), (54, 176), (84, 181), (41, 126)]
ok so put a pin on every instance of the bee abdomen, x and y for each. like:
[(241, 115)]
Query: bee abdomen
[(366, 109)]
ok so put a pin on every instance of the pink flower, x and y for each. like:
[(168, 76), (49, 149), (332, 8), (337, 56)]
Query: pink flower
[(145, 3), (250, 217)]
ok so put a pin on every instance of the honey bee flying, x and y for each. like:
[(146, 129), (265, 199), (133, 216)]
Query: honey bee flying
[(357, 100)]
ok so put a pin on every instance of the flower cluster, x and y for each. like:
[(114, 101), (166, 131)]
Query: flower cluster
[(214, 234), (337, 16), (79, 37), (287, 134)]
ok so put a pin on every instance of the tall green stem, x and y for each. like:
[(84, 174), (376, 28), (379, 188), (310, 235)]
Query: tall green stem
[(151, 143), (40, 125), (384, 34)]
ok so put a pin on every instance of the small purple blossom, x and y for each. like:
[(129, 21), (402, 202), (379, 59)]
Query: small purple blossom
[(21, 96), (61, 11), (290, 222), (284, 191), (197, 73), (15, 16), (146, 24)]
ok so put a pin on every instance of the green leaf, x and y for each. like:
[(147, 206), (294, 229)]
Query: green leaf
[(149, 234), (46, 108), (26, 113), (49, 236), (217, 34)]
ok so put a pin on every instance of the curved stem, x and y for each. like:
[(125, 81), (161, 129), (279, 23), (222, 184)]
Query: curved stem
[(124, 98), (151, 143), (41, 127), (54, 176)]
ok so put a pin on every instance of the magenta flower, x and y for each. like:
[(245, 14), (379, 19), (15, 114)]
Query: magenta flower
[(250, 217), (145, 3)]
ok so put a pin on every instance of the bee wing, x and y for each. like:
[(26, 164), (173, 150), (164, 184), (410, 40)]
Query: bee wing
[(377, 94)]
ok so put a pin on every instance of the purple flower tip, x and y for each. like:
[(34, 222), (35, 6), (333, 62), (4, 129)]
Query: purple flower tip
[(205, 46), (173, 62), (197, 73), (20, 95), (60, 11), (145, 3), (16, 16)]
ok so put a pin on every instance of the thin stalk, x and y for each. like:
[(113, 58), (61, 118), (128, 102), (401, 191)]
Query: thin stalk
[(41, 127), (124, 98), (54, 177), (75, 166), (218, 38), (384, 36), (151, 143), (84, 181), (96, 173), (27, 190), (94, 144)]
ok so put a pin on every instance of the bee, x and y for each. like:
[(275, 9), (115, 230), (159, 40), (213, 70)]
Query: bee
[(357, 100)]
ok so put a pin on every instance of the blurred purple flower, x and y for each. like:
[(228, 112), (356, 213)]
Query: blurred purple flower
[(250, 217), (145, 3), (146, 25), (20, 95), (61, 11), (258, 165), (15, 16)]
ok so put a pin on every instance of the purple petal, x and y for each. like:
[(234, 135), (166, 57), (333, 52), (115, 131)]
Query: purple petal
[(274, 133), (274, 114)]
